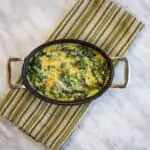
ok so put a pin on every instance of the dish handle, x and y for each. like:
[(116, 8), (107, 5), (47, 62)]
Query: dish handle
[(126, 72), (11, 85)]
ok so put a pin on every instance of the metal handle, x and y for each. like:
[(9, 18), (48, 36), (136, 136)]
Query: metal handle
[(126, 72), (11, 85)]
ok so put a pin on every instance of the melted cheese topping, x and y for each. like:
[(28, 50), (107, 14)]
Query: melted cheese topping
[(90, 79), (68, 72)]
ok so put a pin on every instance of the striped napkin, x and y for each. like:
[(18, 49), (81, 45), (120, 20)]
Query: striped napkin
[(100, 22)]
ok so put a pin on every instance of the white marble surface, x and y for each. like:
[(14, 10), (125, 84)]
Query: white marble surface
[(120, 119)]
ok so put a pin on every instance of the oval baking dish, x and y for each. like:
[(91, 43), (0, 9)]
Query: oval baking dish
[(68, 72)]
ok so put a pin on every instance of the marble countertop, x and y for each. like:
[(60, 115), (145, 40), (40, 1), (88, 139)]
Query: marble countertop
[(120, 119)]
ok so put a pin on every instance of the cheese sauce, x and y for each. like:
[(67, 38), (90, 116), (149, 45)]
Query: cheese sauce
[(68, 72)]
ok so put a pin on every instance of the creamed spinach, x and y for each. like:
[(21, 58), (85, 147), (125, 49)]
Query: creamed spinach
[(68, 72)]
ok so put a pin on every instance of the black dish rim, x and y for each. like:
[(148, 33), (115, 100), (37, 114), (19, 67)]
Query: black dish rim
[(79, 101)]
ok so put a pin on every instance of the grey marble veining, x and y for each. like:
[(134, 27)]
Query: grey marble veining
[(120, 119)]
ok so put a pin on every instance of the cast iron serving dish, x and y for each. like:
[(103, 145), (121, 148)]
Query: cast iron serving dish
[(68, 72)]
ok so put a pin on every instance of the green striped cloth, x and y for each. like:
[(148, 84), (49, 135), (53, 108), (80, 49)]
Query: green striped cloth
[(100, 22)]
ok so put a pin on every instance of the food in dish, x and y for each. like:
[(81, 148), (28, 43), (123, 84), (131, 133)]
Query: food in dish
[(68, 71)]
